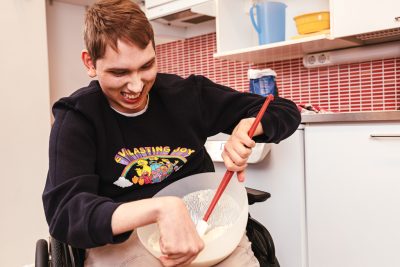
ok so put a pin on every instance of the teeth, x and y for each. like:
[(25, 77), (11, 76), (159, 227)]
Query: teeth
[(130, 96)]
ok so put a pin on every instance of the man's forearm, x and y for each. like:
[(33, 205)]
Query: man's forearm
[(131, 215)]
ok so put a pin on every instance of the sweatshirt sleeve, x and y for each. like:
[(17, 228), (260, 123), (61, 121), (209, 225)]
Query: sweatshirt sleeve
[(223, 108), (75, 212)]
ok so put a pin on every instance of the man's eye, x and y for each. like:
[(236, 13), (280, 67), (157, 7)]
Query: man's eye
[(118, 73), (147, 66)]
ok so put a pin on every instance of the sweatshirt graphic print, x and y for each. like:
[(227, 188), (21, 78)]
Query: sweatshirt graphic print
[(149, 165)]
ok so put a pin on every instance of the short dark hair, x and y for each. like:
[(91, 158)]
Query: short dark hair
[(108, 21)]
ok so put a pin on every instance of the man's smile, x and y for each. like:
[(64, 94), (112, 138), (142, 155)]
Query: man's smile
[(130, 96)]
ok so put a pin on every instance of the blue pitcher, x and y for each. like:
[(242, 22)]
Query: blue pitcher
[(269, 21)]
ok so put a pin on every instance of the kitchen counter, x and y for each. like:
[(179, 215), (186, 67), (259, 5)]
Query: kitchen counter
[(351, 117)]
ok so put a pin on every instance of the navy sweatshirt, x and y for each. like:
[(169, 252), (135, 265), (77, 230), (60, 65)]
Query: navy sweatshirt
[(99, 159)]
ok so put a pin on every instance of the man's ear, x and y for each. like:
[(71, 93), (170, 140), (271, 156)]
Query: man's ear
[(89, 64)]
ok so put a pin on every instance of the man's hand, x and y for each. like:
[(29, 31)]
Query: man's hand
[(179, 241), (238, 147)]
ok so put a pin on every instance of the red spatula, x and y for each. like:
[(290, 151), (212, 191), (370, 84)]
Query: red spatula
[(202, 224)]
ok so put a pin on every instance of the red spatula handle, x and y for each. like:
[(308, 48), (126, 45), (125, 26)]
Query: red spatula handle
[(228, 174)]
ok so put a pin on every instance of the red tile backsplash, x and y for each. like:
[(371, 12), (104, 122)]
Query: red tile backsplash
[(366, 86)]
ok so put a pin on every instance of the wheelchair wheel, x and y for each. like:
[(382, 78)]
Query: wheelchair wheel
[(41, 254), (262, 243), (57, 253)]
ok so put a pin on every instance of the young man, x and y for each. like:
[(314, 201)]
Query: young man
[(133, 131)]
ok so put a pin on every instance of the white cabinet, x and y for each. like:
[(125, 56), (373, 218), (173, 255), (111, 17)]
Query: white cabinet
[(234, 27), (237, 39), (360, 16), (281, 173), (353, 194)]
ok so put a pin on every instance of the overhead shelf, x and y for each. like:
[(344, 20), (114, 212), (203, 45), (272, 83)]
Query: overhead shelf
[(287, 49)]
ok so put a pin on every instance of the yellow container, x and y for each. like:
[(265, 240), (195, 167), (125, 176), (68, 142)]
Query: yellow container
[(312, 22)]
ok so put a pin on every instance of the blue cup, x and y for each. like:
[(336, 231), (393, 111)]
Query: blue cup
[(269, 21)]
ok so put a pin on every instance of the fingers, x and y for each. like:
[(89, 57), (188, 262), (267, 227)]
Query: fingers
[(189, 261), (187, 251), (171, 261), (235, 166), (238, 147), (240, 133), (167, 261), (241, 176), (236, 153), (240, 136), (179, 240), (179, 253), (184, 257), (180, 259)]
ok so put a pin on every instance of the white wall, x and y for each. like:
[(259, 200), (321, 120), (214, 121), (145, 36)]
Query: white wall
[(65, 40), (33, 67), (25, 126)]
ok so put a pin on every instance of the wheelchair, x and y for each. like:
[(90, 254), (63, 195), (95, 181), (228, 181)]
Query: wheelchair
[(53, 253)]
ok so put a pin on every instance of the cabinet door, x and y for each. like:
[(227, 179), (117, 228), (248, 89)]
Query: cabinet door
[(362, 16), (353, 194), (281, 173)]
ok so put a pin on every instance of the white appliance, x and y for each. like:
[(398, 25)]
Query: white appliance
[(180, 12), (174, 20), (215, 146), (281, 173)]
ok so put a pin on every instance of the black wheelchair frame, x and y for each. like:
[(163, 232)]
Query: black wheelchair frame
[(53, 253)]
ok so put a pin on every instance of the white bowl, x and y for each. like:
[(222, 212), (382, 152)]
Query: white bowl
[(219, 248)]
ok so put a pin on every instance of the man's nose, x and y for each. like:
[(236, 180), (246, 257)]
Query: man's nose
[(135, 83)]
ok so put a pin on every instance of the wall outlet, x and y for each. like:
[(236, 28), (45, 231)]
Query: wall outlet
[(317, 60)]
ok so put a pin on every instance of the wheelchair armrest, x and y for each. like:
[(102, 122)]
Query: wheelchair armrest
[(255, 195)]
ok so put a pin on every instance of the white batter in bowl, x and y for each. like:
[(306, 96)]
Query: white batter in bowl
[(227, 216)]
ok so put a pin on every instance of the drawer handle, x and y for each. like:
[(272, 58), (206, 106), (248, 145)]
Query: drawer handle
[(384, 135)]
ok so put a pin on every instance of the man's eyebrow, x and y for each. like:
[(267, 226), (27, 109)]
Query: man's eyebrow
[(116, 69), (150, 61)]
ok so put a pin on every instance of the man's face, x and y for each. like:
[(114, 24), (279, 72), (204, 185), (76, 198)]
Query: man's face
[(127, 76)]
